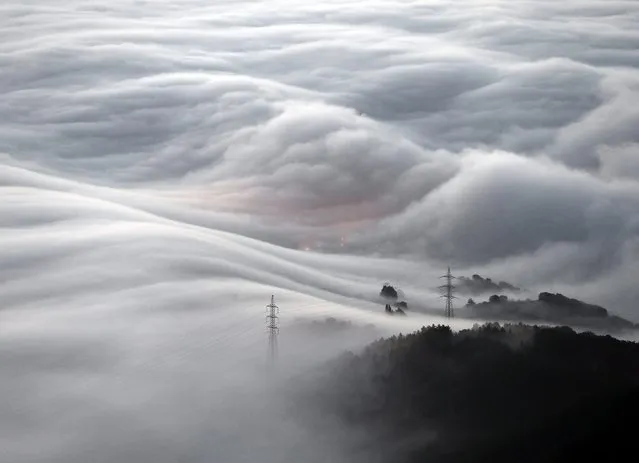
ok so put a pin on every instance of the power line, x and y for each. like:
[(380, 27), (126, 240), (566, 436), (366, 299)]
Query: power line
[(448, 289), (273, 327)]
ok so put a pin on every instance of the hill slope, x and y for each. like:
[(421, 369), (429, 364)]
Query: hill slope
[(513, 393)]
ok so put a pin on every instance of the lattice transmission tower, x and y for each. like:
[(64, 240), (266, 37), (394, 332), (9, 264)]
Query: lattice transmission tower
[(273, 328), (448, 295)]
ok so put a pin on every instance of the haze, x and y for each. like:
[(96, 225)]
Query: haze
[(166, 166)]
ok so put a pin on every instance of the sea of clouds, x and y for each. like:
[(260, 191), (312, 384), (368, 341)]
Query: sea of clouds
[(166, 166)]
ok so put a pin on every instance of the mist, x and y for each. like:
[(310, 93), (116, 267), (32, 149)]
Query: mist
[(165, 167)]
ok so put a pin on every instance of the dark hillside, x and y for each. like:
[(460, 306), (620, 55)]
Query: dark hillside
[(551, 308), (512, 393)]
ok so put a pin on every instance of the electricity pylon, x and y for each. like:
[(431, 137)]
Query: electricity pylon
[(273, 327), (448, 289)]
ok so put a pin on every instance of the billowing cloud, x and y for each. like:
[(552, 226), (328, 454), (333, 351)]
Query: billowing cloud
[(166, 166)]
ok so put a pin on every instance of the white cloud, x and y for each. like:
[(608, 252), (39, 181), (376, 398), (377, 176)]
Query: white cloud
[(163, 163)]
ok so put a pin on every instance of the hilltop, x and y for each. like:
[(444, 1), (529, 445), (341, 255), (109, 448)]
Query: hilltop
[(551, 308), (494, 393)]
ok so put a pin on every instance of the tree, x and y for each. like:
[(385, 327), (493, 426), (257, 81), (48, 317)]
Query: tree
[(388, 292)]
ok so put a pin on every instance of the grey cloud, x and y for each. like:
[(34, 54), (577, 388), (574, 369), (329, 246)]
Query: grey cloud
[(619, 162), (611, 125), (165, 163), (538, 224), (450, 93), (255, 119)]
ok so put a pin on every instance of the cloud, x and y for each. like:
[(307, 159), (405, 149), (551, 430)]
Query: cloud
[(166, 166), (501, 205)]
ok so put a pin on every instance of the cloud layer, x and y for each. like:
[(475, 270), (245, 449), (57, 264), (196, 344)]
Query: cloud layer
[(165, 166)]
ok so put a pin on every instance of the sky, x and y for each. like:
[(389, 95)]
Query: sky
[(166, 166)]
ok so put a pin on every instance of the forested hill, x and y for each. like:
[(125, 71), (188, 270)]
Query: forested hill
[(494, 393), (550, 308)]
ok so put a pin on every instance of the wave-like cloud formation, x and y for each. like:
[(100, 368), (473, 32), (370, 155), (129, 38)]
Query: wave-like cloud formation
[(165, 166)]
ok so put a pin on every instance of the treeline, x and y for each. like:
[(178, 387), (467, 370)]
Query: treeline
[(494, 393), (477, 285), (549, 307)]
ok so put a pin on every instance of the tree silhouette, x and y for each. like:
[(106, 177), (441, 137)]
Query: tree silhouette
[(388, 292), (498, 393)]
